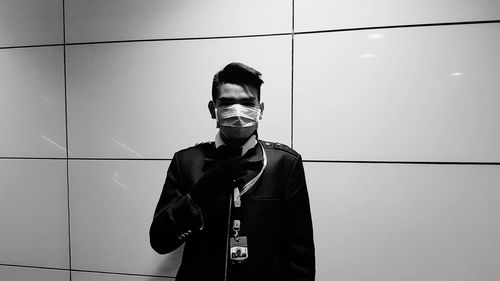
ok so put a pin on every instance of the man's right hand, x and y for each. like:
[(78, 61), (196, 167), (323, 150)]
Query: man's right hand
[(219, 180)]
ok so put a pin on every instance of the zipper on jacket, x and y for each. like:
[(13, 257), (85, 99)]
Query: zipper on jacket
[(227, 234)]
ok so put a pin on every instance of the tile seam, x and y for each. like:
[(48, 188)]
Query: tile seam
[(83, 270), (256, 35), (491, 163)]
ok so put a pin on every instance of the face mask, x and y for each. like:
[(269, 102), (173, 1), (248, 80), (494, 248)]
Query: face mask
[(237, 121)]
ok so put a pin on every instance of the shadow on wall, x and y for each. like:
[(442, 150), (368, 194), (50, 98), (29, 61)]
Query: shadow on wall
[(168, 265)]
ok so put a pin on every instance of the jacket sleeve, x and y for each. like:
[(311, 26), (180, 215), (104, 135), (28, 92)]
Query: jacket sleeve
[(176, 215), (298, 224)]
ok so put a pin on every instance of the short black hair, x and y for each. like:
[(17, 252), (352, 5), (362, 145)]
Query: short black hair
[(239, 74)]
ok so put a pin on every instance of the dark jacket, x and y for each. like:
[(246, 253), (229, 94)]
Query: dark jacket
[(275, 216)]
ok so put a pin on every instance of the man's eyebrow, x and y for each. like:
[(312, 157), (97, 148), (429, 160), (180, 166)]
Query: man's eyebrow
[(247, 99), (224, 100)]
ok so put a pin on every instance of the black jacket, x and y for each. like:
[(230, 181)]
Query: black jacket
[(275, 216)]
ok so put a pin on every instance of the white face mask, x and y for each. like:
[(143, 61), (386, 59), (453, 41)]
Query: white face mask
[(237, 121)]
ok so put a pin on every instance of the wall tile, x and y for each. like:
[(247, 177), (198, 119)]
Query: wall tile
[(112, 207), (11, 273), (424, 94), (87, 276), (138, 100), (405, 222), (31, 22), (33, 213), (324, 15), (125, 20), (32, 118)]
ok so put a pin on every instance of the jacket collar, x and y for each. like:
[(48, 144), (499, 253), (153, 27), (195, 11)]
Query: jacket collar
[(251, 150), (249, 144)]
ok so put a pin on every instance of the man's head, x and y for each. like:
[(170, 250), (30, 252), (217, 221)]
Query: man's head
[(238, 74), (236, 92)]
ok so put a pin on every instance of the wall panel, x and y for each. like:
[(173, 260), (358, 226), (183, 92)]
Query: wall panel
[(31, 22), (325, 15), (32, 119), (416, 94), (11, 273), (405, 222), (33, 214), (112, 206), (136, 100), (86, 276), (125, 20)]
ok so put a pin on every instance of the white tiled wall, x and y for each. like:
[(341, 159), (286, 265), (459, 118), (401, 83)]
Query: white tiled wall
[(422, 94), (33, 213), (122, 96), (86, 276), (11, 273), (112, 205), (312, 15), (132, 20), (402, 94), (405, 222), (31, 22), (32, 102)]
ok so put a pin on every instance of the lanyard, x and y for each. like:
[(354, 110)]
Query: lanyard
[(246, 187)]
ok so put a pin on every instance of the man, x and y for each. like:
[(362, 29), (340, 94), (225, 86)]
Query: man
[(239, 204)]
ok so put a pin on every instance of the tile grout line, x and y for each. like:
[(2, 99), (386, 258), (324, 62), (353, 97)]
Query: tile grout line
[(395, 162), (292, 72), (258, 35), (67, 141), (84, 271), (416, 25), (402, 162)]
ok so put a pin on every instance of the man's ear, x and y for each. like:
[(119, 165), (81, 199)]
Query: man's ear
[(261, 105), (211, 108)]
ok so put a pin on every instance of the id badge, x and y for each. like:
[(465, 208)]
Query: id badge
[(238, 249)]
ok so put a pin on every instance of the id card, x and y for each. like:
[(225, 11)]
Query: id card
[(238, 249)]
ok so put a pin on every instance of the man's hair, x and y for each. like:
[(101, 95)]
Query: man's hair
[(239, 74)]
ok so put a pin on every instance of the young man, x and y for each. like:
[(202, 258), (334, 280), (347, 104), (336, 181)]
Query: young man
[(239, 204)]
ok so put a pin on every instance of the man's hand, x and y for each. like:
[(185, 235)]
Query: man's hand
[(219, 180)]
